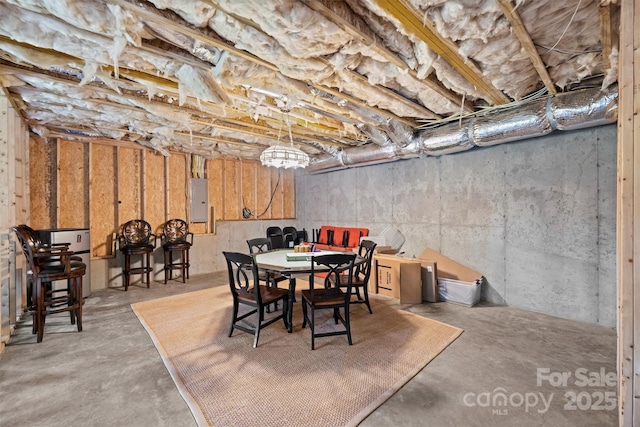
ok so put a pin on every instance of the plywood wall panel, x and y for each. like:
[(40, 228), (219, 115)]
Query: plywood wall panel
[(288, 194), (154, 190), (248, 185), (232, 208), (129, 177), (118, 183), (73, 184), (178, 195), (215, 175), (103, 199), (263, 192), (40, 180), (198, 228), (277, 178)]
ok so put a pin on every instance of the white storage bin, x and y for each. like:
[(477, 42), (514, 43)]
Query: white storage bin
[(466, 293)]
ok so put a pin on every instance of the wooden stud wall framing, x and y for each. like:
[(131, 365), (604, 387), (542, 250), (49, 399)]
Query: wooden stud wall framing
[(42, 178), (263, 192), (215, 175), (277, 179), (628, 227), (288, 192), (102, 185), (129, 177), (7, 173), (73, 173), (248, 192), (104, 198), (178, 186), (14, 209), (232, 195), (154, 189)]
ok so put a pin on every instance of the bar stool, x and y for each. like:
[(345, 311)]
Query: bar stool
[(135, 239), (48, 265), (175, 233)]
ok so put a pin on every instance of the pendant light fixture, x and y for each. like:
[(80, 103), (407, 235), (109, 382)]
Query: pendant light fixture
[(284, 156)]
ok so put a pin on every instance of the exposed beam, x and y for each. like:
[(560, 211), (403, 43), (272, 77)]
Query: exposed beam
[(213, 121), (370, 41), (608, 32), (509, 11), (419, 109), (197, 35), (170, 84), (357, 102), (404, 12), (6, 93)]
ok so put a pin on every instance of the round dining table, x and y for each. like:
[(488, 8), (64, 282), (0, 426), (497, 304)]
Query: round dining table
[(293, 264)]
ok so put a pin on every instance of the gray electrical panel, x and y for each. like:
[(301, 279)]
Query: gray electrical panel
[(199, 200)]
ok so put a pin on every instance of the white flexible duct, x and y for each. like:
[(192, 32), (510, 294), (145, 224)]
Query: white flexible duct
[(567, 111)]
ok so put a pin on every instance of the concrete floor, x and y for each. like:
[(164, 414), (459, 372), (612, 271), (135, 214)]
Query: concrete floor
[(553, 372)]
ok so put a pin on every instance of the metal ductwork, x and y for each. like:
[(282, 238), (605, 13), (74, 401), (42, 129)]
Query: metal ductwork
[(395, 141)]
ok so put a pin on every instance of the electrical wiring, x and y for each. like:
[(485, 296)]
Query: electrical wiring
[(483, 110), (246, 212), (567, 27)]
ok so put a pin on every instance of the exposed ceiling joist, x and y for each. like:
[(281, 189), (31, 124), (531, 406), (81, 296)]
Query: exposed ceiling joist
[(404, 12), (267, 132), (376, 45), (197, 35), (606, 11), (193, 76), (426, 113), (508, 8)]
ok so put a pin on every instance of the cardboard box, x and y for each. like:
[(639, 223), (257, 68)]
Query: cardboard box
[(385, 250), (465, 287), (380, 249), (429, 273), (448, 268), (396, 277)]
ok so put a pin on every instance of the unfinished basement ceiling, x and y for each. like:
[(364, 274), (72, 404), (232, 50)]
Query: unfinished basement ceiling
[(227, 77)]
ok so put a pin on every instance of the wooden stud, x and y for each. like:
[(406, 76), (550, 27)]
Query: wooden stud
[(220, 121), (628, 202), (103, 199), (403, 11), (508, 8), (370, 41)]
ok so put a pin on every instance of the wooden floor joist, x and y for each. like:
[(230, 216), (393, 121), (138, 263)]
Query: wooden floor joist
[(403, 11)]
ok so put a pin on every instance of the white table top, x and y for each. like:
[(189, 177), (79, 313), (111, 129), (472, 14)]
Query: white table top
[(277, 261)]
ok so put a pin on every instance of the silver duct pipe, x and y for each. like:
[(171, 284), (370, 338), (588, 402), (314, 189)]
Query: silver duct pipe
[(377, 135), (568, 111), (364, 156), (514, 125)]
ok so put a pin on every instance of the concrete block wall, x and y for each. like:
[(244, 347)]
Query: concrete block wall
[(536, 217)]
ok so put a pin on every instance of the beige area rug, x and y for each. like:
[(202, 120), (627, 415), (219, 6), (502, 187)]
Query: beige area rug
[(226, 382)]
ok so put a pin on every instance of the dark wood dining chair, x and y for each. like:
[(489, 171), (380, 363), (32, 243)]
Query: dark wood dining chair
[(263, 244), (290, 236), (48, 264), (330, 296), (176, 237), (276, 236), (361, 274), (246, 290)]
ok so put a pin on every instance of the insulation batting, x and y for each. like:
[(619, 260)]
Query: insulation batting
[(194, 12), (302, 32)]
